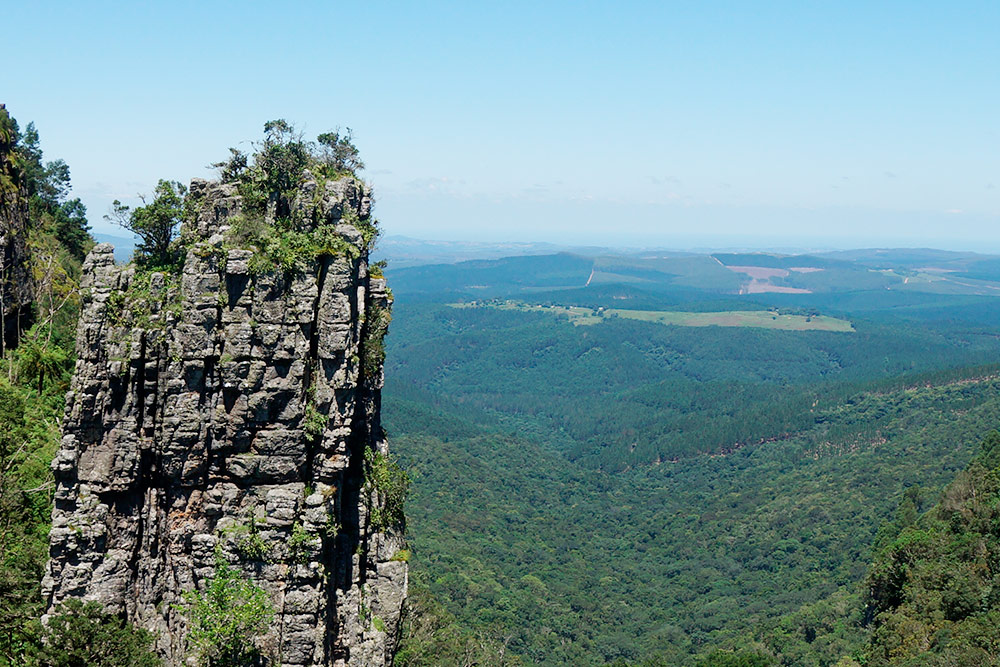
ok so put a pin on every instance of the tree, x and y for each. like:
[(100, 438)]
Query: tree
[(32, 393), (37, 360), (72, 228), (23, 552), (339, 152), (83, 635), (281, 158), (227, 617), (47, 184), (721, 658), (154, 223), (232, 169), (30, 153)]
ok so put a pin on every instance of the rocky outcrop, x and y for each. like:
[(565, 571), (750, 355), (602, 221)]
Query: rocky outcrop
[(232, 411), (16, 286)]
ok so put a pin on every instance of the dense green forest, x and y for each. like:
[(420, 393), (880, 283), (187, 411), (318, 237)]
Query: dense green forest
[(580, 566), (634, 493), (931, 594), (676, 391)]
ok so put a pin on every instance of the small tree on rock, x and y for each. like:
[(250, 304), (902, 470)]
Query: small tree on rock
[(227, 617), (339, 153), (154, 223)]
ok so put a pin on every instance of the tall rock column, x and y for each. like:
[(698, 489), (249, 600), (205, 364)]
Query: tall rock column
[(232, 411)]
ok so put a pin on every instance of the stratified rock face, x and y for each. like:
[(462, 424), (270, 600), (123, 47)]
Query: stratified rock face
[(16, 288), (232, 419)]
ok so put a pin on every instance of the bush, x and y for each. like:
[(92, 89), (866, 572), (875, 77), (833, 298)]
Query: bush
[(390, 484), (279, 247), (227, 617), (301, 545), (247, 541), (377, 321), (83, 635), (315, 421)]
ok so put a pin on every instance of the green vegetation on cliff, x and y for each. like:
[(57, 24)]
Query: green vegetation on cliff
[(283, 184), (155, 223), (279, 184), (34, 378), (227, 617)]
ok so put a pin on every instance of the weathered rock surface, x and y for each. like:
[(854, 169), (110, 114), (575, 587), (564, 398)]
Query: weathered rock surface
[(238, 405), (16, 285)]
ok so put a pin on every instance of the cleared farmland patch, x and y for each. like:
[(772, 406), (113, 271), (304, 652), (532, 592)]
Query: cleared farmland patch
[(765, 319), (739, 318)]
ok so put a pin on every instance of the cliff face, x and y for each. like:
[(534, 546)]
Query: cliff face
[(232, 412), (16, 288)]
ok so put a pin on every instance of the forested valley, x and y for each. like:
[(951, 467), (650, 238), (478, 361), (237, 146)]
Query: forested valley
[(597, 489), (623, 459)]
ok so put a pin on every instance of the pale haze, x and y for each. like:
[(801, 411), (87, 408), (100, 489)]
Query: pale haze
[(669, 124)]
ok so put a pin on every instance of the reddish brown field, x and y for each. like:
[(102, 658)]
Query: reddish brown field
[(760, 277)]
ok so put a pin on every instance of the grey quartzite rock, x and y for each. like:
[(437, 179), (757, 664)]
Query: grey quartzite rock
[(182, 433)]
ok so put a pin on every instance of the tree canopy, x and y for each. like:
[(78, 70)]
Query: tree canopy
[(47, 186), (155, 223)]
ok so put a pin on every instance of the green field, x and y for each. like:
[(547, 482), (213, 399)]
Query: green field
[(576, 314), (738, 318), (766, 319)]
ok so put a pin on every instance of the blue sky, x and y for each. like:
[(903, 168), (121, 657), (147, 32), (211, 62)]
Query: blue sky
[(628, 123)]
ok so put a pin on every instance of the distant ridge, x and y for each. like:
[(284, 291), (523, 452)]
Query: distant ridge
[(882, 274), (405, 251)]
